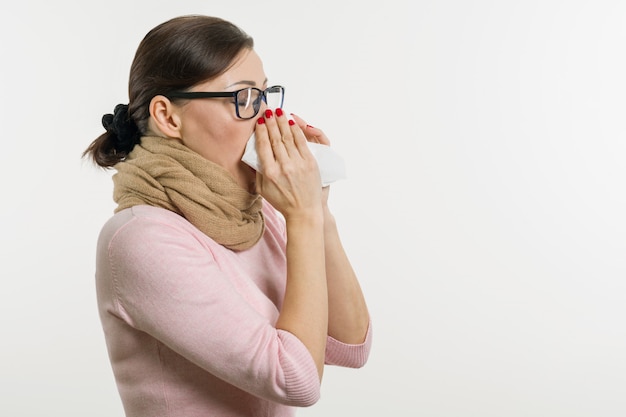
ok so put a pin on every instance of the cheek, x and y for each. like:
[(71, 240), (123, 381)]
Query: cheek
[(235, 135), (216, 133), (223, 143)]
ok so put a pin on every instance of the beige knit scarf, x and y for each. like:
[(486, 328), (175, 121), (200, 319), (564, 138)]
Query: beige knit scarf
[(165, 173)]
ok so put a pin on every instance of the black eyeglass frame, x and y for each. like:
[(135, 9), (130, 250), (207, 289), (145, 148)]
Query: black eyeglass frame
[(190, 95)]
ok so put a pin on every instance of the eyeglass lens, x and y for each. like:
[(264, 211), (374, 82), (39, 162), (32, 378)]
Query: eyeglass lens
[(249, 100)]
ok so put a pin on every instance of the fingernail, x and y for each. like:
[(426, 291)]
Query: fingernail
[(310, 126), (268, 113), (261, 120), (279, 112), (291, 122)]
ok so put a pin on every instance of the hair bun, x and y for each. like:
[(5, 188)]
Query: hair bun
[(122, 127)]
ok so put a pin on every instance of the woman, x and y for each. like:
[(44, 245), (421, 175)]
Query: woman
[(222, 291)]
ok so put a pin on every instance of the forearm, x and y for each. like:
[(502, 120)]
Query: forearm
[(348, 317), (305, 307)]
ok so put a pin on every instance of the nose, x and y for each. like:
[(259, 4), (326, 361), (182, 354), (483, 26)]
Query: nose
[(262, 107)]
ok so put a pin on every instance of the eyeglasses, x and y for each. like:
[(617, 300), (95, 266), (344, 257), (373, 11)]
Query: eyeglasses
[(247, 101)]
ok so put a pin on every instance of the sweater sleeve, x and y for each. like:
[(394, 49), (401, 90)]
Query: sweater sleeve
[(166, 284), (348, 355)]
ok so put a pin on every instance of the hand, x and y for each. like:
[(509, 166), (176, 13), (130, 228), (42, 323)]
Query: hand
[(291, 180)]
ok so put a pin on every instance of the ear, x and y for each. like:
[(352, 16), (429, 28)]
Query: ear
[(166, 117)]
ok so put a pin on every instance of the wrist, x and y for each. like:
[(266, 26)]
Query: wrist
[(305, 218), (329, 218)]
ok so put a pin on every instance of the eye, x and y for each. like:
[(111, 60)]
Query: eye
[(245, 98)]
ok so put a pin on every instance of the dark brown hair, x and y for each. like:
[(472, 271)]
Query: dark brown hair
[(175, 55)]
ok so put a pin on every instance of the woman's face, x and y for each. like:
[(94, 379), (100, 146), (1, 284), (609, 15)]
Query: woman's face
[(211, 127)]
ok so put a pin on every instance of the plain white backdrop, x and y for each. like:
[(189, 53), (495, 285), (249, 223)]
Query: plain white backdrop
[(484, 208)]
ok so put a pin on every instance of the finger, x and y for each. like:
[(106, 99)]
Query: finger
[(299, 121), (276, 138), (263, 145), (313, 134), (300, 141), (287, 135), (297, 135)]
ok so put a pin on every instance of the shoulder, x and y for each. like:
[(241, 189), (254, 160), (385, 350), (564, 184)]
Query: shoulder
[(141, 229), (145, 231), (144, 218)]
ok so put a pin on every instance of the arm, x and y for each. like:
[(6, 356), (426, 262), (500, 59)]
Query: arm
[(162, 279), (290, 182), (347, 310), (305, 307)]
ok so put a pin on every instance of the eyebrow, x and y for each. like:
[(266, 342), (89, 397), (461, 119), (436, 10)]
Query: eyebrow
[(245, 82)]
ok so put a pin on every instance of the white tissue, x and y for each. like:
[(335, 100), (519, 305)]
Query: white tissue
[(330, 163)]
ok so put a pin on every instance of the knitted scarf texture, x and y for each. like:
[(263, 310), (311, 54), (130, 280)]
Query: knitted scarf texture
[(165, 173)]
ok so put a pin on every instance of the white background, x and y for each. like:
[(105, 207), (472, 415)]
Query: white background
[(484, 209)]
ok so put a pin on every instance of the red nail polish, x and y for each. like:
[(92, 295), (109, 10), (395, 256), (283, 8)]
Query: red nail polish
[(310, 126), (279, 112), (291, 122), (261, 120), (268, 113)]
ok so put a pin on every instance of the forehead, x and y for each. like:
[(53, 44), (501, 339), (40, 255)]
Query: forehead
[(246, 71)]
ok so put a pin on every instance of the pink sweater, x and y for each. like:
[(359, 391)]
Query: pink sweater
[(189, 324)]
